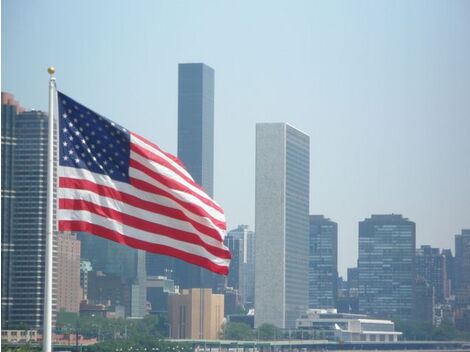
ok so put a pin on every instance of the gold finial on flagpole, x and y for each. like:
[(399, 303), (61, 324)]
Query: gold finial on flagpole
[(51, 70)]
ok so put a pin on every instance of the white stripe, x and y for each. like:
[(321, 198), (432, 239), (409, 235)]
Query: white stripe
[(163, 170), (158, 219), (124, 187), (86, 216), (136, 140), (181, 195)]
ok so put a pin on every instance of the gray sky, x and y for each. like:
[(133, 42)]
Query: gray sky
[(381, 87)]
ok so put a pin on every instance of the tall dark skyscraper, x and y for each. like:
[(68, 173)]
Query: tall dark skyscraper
[(462, 262), (386, 266), (10, 108), (196, 151), (24, 188), (431, 267), (323, 263)]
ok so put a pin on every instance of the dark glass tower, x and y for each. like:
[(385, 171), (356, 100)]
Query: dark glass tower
[(196, 151), (462, 263), (29, 220), (9, 111), (386, 266), (431, 267), (323, 263)]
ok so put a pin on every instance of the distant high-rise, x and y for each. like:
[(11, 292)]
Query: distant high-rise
[(323, 263), (196, 151), (69, 293), (282, 225), (450, 271), (462, 262), (431, 267), (240, 242), (386, 266), (26, 272), (10, 108)]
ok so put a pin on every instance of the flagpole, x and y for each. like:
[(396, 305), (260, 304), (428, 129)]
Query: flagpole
[(47, 323)]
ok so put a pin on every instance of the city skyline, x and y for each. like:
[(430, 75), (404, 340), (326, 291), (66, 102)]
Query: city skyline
[(386, 108)]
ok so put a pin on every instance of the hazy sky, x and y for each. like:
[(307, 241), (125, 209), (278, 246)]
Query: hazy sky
[(381, 87)]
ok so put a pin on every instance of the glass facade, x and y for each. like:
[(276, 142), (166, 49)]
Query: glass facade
[(431, 267), (8, 198), (196, 151), (386, 266), (462, 264), (29, 220), (281, 211), (241, 276), (323, 262)]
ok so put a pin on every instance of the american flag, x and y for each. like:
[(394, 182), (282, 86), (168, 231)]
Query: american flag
[(118, 185)]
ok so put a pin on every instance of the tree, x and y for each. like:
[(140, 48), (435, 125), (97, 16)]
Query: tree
[(268, 332), (237, 331)]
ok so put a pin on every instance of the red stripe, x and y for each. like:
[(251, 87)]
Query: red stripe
[(171, 156), (172, 183), (70, 225), (162, 161), (147, 187), (144, 225), (110, 192)]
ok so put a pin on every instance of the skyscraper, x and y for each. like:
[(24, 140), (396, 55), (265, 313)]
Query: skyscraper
[(10, 108), (240, 242), (282, 225), (323, 263), (29, 221), (431, 267), (462, 263), (386, 266), (196, 150)]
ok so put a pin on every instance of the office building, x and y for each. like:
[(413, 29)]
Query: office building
[(10, 108), (69, 293), (108, 256), (386, 266), (323, 263), (431, 267), (27, 221), (282, 224), (85, 269), (450, 272), (240, 242), (424, 300), (158, 290), (195, 314), (196, 151), (462, 263), (343, 327)]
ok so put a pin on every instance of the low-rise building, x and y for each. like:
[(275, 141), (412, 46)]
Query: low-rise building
[(195, 314), (19, 336), (330, 325)]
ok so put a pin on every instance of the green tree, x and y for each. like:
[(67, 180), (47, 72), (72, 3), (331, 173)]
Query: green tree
[(268, 332), (237, 331)]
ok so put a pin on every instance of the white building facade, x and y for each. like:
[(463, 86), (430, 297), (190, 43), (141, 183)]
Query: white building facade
[(281, 212)]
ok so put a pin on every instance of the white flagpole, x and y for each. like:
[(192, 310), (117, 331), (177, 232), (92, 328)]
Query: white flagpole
[(47, 323)]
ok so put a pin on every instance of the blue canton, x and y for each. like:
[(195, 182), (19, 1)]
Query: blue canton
[(91, 141)]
